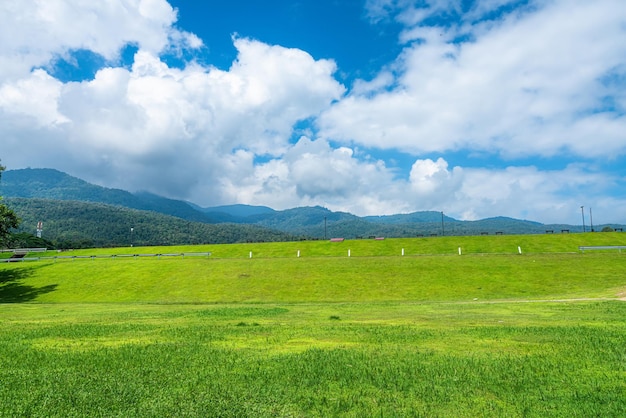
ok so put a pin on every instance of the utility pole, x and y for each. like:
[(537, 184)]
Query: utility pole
[(582, 212), (443, 231), (591, 219)]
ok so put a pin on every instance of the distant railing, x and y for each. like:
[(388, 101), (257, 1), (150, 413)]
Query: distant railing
[(602, 247), (112, 256), (24, 250)]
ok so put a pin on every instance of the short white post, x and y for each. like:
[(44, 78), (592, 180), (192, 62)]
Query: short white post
[(519, 249), (459, 250), (403, 251), (250, 254), (298, 253), (348, 253)]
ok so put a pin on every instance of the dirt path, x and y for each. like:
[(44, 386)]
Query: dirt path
[(620, 298)]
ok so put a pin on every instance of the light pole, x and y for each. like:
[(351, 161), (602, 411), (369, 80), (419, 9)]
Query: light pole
[(591, 219), (582, 212), (131, 235), (324, 227), (443, 231)]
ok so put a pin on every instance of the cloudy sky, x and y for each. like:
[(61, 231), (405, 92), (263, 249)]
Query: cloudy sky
[(477, 108)]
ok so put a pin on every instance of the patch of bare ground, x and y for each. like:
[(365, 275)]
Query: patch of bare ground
[(620, 296)]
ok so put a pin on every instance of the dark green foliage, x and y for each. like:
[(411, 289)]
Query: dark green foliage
[(52, 184), (237, 213), (26, 240), (426, 216), (8, 222), (313, 222), (8, 219), (71, 224)]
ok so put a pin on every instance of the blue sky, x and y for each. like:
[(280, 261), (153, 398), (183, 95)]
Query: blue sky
[(476, 108), (338, 30)]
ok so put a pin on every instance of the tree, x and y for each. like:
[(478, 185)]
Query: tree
[(8, 218)]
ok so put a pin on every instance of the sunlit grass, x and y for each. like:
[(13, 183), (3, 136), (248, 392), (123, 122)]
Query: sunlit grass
[(321, 279), (398, 359), (430, 333), (448, 245)]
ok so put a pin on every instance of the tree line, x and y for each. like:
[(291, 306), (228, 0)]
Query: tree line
[(73, 224), (8, 218)]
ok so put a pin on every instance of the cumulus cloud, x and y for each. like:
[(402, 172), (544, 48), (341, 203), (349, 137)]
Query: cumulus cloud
[(42, 31), (314, 173), (529, 84), (217, 136), (153, 127)]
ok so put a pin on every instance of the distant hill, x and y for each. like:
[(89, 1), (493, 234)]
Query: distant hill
[(310, 222), (241, 211), (233, 213), (426, 216), (45, 183), (74, 224)]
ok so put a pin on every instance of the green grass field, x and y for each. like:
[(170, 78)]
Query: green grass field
[(431, 333)]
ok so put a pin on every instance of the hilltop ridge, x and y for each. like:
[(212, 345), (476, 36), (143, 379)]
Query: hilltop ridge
[(68, 205)]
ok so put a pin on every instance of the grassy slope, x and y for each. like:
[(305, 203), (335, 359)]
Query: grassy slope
[(292, 353), (489, 268), (366, 279), (268, 360), (504, 244)]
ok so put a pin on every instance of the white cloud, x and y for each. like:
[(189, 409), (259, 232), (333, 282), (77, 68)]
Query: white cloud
[(313, 173), (178, 132), (36, 96), (553, 196), (218, 137), (433, 182), (40, 31), (527, 85)]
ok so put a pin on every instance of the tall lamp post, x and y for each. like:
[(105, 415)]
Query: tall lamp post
[(591, 219), (582, 212), (443, 231)]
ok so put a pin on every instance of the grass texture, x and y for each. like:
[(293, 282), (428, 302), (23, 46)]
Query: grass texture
[(431, 333)]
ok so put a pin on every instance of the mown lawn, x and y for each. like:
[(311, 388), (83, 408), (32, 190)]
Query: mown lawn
[(377, 334), (390, 359), (319, 279)]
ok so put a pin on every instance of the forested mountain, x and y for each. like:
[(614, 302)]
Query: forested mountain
[(44, 183), (73, 224), (109, 222), (239, 211), (425, 216)]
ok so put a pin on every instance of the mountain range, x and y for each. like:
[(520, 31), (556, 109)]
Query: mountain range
[(69, 204)]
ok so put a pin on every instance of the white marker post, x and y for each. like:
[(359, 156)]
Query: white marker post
[(459, 250), (250, 254), (519, 249), (348, 253), (298, 253), (403, 252)]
